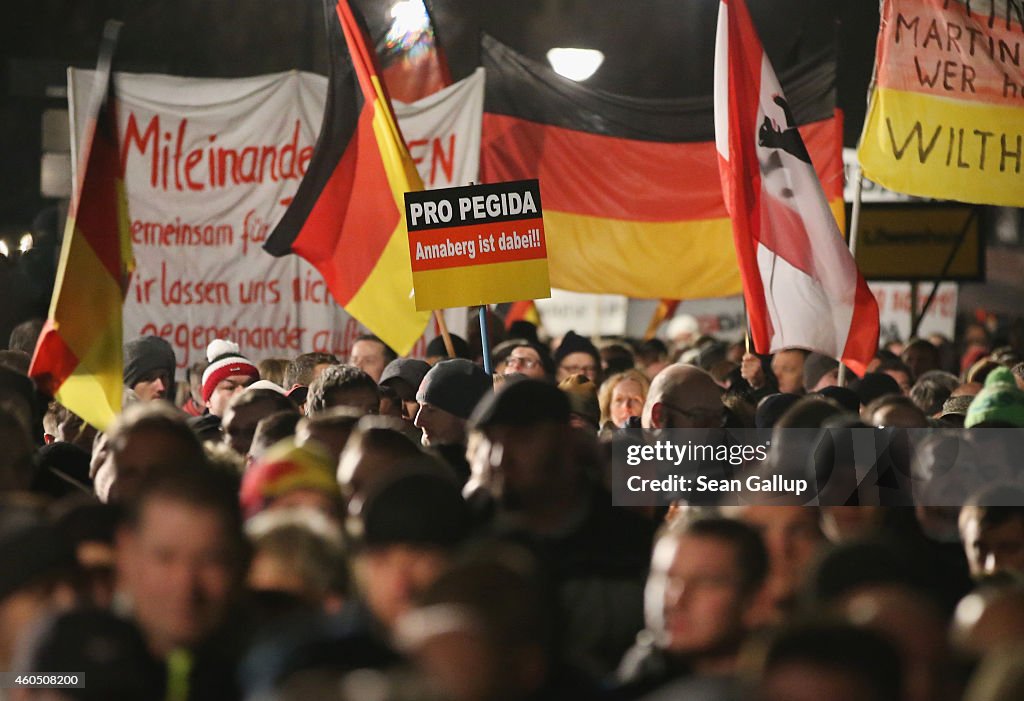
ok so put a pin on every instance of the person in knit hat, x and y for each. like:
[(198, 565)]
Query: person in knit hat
[(228, 374), (999, 404), (447, 396), (290, 475), (577, 355), (149, 365)]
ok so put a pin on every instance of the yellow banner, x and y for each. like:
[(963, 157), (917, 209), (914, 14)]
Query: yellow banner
[(946, 118)]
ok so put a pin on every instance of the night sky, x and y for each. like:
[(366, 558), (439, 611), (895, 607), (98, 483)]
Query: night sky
[(653, 48)]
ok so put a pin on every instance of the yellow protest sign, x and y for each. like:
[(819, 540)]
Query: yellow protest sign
[(481, 244)]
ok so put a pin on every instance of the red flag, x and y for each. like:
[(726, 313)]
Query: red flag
[(348, 216), (78, 357), (801, 284)]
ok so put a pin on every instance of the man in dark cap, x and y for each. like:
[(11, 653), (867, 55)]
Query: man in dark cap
[(404, 376), (532, 464), (447, 396), (575, 356), (874, 385), (436, 350), (404, 535), (149, 365)]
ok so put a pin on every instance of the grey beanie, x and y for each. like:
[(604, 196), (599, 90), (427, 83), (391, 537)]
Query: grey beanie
[(455, 386), (144, 355)]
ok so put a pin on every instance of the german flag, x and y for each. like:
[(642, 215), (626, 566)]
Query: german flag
[(347, 217), (632, 197), (78, 358)]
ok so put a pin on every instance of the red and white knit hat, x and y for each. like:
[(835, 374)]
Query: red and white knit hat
[(226, 361)]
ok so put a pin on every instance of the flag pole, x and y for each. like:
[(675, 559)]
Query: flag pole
[(858, 190), (746, 325), (442, 326), (485, 341)]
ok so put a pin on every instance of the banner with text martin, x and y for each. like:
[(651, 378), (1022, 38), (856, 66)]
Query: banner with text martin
[(946, 118), (481, 244), (211, 165)]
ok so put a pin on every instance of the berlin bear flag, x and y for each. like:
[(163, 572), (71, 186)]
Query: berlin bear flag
[(801, 285)]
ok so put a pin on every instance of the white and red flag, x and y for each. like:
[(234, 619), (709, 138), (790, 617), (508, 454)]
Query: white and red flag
[(801, 285)]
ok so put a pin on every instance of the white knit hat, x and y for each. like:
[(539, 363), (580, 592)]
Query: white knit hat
[(226, 360)]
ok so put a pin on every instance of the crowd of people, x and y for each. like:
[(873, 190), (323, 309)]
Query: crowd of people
[(376, 527)]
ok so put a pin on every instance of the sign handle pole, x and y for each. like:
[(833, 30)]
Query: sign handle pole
[(442, 326), (915, 316), (485, 341), (945, 270)]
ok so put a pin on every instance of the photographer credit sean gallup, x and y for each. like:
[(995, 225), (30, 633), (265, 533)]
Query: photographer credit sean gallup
[(705, 484)]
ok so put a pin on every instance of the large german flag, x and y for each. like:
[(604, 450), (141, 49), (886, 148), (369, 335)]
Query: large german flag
[(347, 218), (78, 358), (632, 197)]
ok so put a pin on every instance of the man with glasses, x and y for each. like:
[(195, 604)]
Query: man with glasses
[(529, 360), (683, 396)]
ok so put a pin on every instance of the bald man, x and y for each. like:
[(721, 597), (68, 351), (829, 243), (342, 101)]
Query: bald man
[(683, 396)]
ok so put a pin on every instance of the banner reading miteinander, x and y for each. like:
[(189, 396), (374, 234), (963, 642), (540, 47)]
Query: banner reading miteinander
[(210, 167), (946, 118)]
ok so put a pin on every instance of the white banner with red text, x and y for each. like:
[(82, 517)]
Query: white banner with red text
[(210, 166)]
